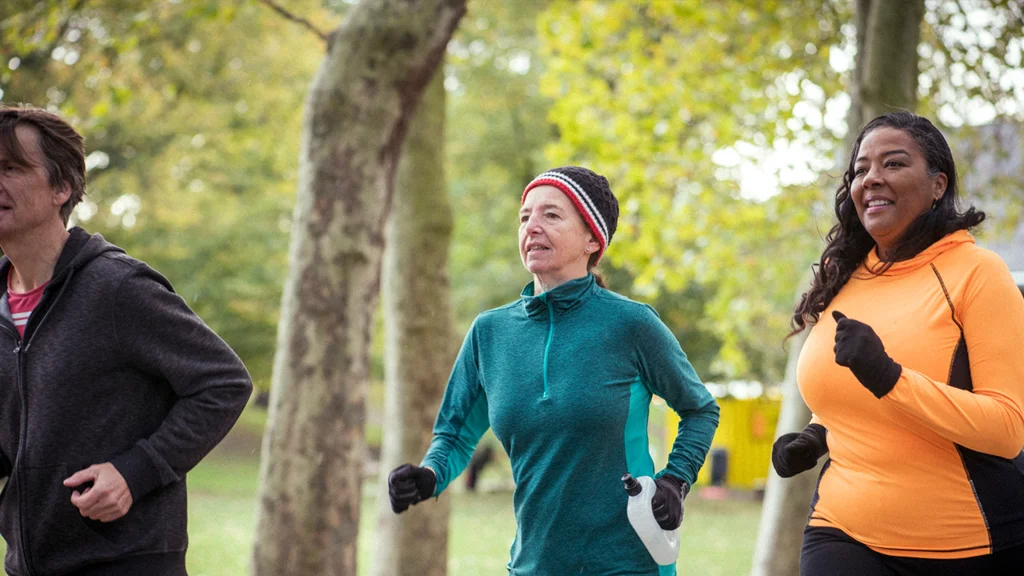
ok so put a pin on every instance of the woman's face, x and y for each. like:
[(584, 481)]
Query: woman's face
[(891, 185), (554, 243)]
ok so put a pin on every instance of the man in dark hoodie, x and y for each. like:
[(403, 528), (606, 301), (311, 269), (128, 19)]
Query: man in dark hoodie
[(111, 388)]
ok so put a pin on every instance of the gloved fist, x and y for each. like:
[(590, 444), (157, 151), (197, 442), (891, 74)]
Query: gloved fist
[(408, 485), (798, 452), (861, 350), (667, 503)]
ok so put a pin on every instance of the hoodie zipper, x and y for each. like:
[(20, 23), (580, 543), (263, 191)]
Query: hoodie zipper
[(23, 425), (547, 347), (20, 349), (19, 363)]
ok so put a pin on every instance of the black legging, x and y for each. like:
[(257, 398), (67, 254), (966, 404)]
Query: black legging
[(830, 552), (147, 564)]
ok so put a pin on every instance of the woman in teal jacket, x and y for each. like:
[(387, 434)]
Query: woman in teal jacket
[(565, 376)]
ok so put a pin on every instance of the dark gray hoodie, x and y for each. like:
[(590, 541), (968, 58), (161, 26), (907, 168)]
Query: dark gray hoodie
[(114, 367)]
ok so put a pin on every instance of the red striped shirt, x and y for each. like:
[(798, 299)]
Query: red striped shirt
[(22, 305)]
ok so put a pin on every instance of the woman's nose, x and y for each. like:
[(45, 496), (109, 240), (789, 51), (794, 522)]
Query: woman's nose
[(872, 178)]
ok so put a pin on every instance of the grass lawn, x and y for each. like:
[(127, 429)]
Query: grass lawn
[(717, 539), (718, 536), (222, 517)]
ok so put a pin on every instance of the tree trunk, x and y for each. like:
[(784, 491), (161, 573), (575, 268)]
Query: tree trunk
[(419, 348), (854, 117), (884, 79), (376, 68), (888, 81), (786, 501)]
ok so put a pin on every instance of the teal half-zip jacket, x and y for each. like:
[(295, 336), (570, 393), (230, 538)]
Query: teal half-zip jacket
[(565, 379)]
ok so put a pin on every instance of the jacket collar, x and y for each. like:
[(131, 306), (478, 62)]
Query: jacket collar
[(80, 248), (925, 257), (77, 239), (562, 298)]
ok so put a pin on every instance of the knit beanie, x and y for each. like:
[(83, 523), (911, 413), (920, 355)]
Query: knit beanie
[(591, 195)]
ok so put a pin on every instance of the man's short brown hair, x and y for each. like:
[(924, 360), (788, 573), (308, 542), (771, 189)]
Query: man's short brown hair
[(63, 149)]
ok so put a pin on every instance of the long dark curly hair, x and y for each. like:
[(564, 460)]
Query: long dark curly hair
[(848, 242)]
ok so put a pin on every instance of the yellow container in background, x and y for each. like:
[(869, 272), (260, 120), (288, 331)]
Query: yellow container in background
[(746, 430)]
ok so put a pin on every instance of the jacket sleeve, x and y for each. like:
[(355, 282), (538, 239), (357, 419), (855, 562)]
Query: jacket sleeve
[(160, 335), (989, 419), (461, 420), (816, 420), (667, 372)]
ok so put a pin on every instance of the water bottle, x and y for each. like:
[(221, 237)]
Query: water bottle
[(663, 545)]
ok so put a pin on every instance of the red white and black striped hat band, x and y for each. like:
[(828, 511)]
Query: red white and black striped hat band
[(578, 195)]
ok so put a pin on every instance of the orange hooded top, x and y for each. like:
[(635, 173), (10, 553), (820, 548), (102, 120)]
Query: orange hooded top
[(927, 471)]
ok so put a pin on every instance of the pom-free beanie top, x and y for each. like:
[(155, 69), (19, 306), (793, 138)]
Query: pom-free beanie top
[(591, 195)]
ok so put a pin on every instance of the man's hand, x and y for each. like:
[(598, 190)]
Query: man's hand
[(107, 499)]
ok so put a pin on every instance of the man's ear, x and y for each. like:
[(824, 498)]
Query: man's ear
[(61, 194)]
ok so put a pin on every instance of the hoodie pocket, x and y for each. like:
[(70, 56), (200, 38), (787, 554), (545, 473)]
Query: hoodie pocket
[(57, 536)]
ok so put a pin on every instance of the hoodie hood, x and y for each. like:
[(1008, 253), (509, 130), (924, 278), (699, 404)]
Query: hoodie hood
[(925, 257), (80, 249)]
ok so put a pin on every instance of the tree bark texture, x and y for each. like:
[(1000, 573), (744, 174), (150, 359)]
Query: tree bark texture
[(419, 346), (854, 119), (888, 80), (786, 500), (377, 65), (884, 80)]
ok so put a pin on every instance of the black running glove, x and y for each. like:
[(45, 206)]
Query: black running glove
[(408, 485), (798, 452), (667, 503), (861, 350)]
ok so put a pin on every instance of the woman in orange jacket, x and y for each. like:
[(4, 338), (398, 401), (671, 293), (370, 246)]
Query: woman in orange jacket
[(914, 370)]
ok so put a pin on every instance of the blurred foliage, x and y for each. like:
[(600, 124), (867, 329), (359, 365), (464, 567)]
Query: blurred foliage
[(674, 101), (191, 111), (496, 134), (972, 81), (650, 94), (498, 131), (971, 60)]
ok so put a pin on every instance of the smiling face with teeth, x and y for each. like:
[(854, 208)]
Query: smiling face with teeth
[(892, 185), (554, 243)]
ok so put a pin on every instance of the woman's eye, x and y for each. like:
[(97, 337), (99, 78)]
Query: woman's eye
[(893, 163), (552, 215), (859, 171)]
